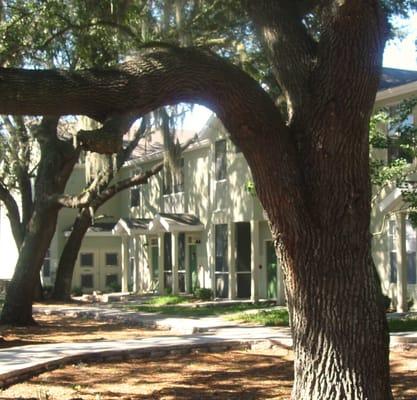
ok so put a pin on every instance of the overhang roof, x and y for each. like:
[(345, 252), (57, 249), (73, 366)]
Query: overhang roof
[(97, 229), (165, 222), (393, 77), (132, 226)]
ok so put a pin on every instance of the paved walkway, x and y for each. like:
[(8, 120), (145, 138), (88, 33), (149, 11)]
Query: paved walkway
[(206, 334)]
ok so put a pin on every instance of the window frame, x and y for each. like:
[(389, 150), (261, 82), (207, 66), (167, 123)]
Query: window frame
[(220, 160), (135, 196), (106, 260), (82, 265)]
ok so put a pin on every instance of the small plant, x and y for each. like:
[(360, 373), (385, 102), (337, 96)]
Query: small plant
[(386, 302), (114, 287), (265, 317), (203, 294), (250, 188), (77, 291), (47, 291)]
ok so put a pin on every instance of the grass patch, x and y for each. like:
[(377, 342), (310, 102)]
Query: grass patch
[(265, 317), (167, 300), (402, 324), (193, 311)]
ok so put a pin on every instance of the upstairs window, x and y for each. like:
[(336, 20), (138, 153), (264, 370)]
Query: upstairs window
[(87, 260), (179, 178), (221, 244), (220, 159), (135, 197), (167, 180), (173, 181)]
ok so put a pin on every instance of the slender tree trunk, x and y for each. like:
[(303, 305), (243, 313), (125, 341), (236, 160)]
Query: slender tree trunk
[(17, 309), (62, 288)]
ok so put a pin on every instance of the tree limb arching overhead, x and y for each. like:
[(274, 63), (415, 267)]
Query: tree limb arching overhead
[(161, 76)]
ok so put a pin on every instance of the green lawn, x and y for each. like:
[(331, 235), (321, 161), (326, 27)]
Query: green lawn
[(280, 318), (403, 325), (265, 317), (168, 300), (187, 307)]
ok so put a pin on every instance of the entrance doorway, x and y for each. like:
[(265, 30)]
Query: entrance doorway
[(154, 265), (271, 271), (192, 263), (243, 259)]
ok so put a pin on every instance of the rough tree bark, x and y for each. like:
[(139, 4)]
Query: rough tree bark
[(65, 270), (57, 161), (311, 171)]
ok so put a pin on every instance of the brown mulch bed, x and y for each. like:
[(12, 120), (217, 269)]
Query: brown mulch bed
[(251, 374), (58, 329)]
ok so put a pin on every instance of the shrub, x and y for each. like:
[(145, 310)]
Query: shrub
[(203, 294), (386, 302), (77, 291), (114, 287)]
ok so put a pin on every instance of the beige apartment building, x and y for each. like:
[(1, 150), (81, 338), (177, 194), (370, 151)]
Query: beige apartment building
[(203, 230)]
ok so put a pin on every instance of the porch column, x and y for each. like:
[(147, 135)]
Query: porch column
[(125, 263), (174, 247), (231, 259), (136, 273), (161, 288), (211, 256), (187, 267), (255, 260), (401, 263)]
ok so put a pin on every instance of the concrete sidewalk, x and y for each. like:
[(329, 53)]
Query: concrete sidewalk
[(20, 363), (205, 334), (178, 324)]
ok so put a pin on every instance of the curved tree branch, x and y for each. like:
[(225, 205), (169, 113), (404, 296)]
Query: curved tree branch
[(86, 199), (109, 138), (169, 75), (290, 47)]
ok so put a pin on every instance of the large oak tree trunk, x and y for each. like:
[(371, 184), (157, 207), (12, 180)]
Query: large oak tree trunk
[(62, 288), (341, 342)]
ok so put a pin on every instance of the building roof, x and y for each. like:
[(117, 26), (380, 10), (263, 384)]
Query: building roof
[(162, 222), (137, 223), (131, 226), (165, 222), (392, 77), (186, 219), (100, 228), (153, 144)]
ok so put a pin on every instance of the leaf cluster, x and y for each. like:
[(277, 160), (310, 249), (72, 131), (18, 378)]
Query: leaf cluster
[(391, 129)]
